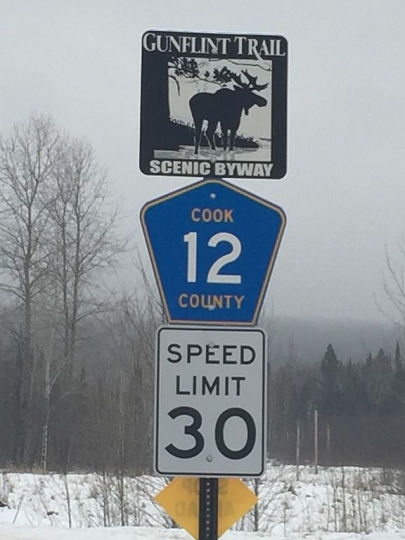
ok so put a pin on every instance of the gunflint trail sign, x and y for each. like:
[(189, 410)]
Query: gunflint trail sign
[(213, 105)]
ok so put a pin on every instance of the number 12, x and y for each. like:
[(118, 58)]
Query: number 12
[(213, 275)]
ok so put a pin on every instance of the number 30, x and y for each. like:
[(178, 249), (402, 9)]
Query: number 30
[(193, 429)]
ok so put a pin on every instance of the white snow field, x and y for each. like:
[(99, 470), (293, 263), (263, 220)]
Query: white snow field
[(337, 503)]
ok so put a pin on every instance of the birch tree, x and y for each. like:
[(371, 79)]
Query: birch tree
[(394, 285), (87, 245), (27, 161)]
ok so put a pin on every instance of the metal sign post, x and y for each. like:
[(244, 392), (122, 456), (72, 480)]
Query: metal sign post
[(212, 106), (208, 509)]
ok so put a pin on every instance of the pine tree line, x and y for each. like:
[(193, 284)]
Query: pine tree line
[(361, 409)]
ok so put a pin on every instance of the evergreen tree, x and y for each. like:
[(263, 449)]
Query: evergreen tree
[(331, 395)]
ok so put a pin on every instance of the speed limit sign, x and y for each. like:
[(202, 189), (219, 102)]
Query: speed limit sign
[(210, 401)]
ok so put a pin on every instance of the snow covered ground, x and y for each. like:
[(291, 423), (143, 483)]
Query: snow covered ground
[(337, 503), (144, 533)]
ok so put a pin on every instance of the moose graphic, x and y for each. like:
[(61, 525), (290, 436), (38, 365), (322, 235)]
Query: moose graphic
[(225, 107)]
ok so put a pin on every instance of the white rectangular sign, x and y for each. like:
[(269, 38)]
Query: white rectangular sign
[(210, 410)]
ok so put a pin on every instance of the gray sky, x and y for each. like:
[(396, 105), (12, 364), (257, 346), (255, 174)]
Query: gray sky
[(344, 192)]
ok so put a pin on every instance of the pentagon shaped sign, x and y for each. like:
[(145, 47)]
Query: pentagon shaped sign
[(212, 247), (213, 105)]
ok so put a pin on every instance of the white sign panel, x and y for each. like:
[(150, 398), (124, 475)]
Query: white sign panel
[(210, 412)]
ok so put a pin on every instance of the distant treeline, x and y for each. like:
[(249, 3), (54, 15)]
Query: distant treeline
[(101, 418), (361, 410)]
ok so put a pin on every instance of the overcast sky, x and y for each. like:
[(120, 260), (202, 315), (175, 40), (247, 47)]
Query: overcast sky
[(344, 192)]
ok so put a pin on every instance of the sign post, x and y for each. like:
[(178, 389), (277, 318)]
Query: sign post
[(212, 105), (208, 509), (213, 248)]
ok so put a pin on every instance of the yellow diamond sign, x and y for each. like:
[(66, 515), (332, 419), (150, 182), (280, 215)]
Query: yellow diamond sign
[(180, 500)]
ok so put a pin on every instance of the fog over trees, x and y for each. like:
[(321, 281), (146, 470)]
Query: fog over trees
[(77, 359)]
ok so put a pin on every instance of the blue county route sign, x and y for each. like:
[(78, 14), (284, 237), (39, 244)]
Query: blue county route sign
[(213, 105), (212, 247)]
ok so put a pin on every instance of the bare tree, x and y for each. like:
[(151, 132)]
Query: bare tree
[(58, 239), (134, 329), (86, 245), (27, 161), (51, 369), (132, 326), (394, 286)]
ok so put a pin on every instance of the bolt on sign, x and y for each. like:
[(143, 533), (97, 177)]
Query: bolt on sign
[(180, 500), (213, 105)]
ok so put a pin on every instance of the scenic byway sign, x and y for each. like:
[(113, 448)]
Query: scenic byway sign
[(212, 247), (213, 105), (210, 402)]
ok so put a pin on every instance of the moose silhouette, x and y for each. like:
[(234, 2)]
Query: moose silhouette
[(225, 107)]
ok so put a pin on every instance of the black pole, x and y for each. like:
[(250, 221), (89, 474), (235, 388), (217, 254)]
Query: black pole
[(208, 509)]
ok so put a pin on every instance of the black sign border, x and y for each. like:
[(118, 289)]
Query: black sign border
[(263, 419), (150, 80)]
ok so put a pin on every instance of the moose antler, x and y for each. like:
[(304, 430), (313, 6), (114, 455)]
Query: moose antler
[(252, 85), (238, 80)]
